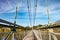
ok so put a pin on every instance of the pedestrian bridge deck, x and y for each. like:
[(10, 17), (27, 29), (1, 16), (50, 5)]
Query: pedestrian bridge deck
[(31, 35)]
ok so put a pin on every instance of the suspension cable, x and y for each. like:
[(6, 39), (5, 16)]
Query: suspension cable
[(15, 15), (35, 11), (29, 11), (47, 12)]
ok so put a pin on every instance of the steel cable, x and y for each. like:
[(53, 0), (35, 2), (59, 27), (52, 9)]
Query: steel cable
[(35, 11), (29, 11), (47, 12), (7, 36), (15, 15)]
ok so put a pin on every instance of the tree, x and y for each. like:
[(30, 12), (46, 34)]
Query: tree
[(28, 28), (38, 26)]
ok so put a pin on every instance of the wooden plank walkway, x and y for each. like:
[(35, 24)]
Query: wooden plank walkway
[(33, 35)]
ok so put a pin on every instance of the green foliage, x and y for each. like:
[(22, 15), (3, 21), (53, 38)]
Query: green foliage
[(28, 28), (38, 26)]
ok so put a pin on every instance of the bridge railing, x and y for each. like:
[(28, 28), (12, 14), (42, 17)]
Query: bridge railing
[(17, 35), (46, 35)]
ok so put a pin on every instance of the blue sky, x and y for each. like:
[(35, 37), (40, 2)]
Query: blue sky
[(7, 10)]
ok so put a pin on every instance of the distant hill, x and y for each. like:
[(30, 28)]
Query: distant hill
[(57, 22), (57, 30)]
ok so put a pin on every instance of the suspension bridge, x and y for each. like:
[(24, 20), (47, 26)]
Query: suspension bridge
[(13, 31)]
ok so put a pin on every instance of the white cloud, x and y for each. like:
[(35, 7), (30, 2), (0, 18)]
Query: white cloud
[(6, 7), (41, 10)]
